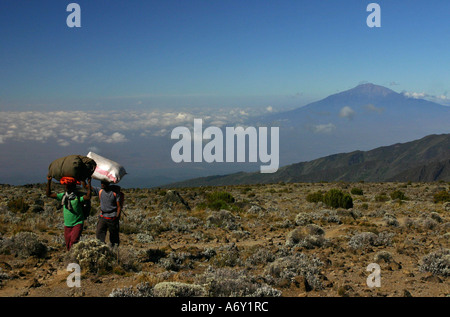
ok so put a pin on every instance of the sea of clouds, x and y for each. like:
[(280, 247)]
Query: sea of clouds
[(80, 127)]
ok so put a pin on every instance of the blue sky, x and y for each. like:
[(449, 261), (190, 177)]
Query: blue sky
[(217, 53)]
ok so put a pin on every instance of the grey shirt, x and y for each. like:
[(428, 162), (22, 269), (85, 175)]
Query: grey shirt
[(108, 201)]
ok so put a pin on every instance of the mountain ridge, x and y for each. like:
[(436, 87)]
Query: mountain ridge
[(423, 160)]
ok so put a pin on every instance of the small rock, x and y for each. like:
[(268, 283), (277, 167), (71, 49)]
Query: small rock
[(406, 293)]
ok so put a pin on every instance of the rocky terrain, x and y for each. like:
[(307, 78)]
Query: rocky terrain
[(283, 239)]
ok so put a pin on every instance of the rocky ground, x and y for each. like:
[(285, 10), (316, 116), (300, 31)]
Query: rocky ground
[(259, 240)]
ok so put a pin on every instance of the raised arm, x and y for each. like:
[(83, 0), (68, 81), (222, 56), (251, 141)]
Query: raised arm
[(49, 188), (89, 189)]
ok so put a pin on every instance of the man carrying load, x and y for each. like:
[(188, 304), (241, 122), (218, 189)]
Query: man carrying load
[(72, 208), (110, 210), (110, 197)]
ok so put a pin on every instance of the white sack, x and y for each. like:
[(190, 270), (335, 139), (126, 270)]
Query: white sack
[(107, 170)]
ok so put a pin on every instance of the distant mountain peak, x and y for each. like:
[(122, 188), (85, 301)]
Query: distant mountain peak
[(370, 89)]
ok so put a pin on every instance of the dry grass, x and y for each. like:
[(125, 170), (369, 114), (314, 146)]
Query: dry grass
[(259, 240)]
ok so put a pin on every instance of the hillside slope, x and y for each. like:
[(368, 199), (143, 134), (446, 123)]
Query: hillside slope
[(426, 159)]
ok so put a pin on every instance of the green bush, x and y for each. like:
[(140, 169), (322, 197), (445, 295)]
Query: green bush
[(382, 197), (219, 200), (398, 194), (357, 191), (442, 196), (335, 198), (314, 197)]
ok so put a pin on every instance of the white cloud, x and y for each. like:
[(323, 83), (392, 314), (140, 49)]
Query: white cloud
[(62, 142), (415, 95), (94, 149), (95, 127), (347, 112), (324, 128), (116, 137), (372, 108), (441, 99)]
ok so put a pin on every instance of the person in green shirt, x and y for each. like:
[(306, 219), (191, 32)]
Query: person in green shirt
[(72, 209)]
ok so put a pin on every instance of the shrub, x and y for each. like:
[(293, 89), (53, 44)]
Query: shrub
[(92, 255), (288, 267), (124, 292), (442, 196), (335, 198), (383, 256), (308, 237), (154, 255), (18, 205), (303, 218), (226, 282), (391, 220), (398, 194), (184, 224), (178, 289), (154, 225), (227, 256), (314, 197), (223, 219), (437, 263), (219, 200), (142, 290), (144, 238), (261, 256), (175, 261), (382, 197), (429, 223), (364, 240), (129, 259), (3, 276), (24, 244), (435, 216), (357, 191)]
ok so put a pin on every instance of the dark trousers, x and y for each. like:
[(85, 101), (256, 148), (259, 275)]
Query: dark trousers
[(104, 225), (72, 235)]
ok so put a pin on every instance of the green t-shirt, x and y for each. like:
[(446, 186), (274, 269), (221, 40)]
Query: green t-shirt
[(75, 217)]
